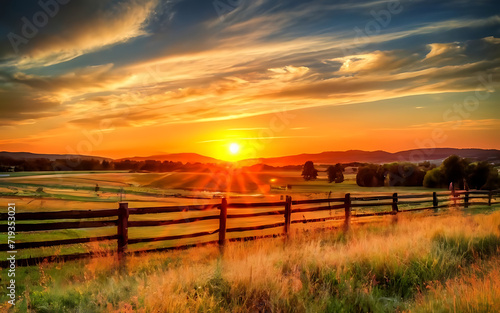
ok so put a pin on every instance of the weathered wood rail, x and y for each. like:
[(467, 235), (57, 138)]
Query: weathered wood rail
[(222, 212)]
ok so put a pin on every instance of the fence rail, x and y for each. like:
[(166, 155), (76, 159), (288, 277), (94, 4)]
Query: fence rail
[(289, 209)]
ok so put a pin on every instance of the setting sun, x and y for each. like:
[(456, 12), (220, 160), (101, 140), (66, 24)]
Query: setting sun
[(234, 148)]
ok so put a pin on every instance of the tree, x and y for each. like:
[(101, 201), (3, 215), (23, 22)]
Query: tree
[(434, 178), (404, 174), (106, 165), (330, 171), (339, 178), (340, 173), (453, 169), (151, 166), (335, 173), (457, 170), (478, 174), (493, 181), (308, 171), (371, 176)]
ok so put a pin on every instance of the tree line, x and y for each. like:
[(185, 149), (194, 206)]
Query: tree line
[(335, 172), (77, 164), (462, 173)]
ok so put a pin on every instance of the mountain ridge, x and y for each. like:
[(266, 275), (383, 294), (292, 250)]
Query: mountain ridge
[(50, 156), (326, 157), (176, 157), (380, 156)]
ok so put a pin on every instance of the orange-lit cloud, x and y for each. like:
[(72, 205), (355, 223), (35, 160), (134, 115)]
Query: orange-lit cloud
[(83, 34)]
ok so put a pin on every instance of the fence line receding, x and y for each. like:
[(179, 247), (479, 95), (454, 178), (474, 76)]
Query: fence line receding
[(293, 211)]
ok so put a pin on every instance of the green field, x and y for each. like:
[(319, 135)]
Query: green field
[(176, 187), (60, 191), (41, 287), (421, 263)]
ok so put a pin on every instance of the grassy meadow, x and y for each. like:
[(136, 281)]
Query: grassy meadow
[(420, 263), (415, 262), (53, 191), (57, 191)]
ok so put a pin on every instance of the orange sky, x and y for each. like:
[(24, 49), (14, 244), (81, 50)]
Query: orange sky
[(368, 126), (157, 77)]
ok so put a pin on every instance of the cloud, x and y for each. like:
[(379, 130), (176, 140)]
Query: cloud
[(374, 76), (89, 79), (468, 124), (258, 138), (247, 129), (128, 99), (376, 61), (440, 49), (492, 40), (289, 72), (21, 108), (78, 28)]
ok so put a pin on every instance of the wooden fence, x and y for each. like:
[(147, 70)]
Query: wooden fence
[(345, 208)]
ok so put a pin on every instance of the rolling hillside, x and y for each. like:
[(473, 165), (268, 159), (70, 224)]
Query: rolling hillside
[(177, 157), (51, 157), (329, 157), (417, 155)]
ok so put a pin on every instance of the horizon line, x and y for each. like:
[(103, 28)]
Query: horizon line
[(246, 159)]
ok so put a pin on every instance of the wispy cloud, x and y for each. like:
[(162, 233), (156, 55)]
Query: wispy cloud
[(482, 124), (78, 28), (256, 138), (247, 129)]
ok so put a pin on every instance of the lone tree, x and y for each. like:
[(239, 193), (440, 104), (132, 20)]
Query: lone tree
[(335, 173), (308, 171)]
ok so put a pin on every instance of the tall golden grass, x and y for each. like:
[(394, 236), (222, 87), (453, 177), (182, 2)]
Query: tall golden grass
[(477, 290), (420, 263)]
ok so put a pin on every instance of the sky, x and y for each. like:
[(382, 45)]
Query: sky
[(272, 78)]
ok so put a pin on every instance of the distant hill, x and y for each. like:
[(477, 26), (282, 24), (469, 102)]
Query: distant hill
[(51, 157), (330, 157), (177, 157), (416, 155)]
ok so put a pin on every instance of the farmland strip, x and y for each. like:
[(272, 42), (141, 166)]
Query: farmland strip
[(28, 245), (61, 225), (171, 222), (140, 240)]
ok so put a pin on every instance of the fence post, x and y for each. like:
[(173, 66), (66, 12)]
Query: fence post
[(288, 214), (222, 223), (123, 214), (454, 195), (434, 200), (490, 194), (395, 209), (347, 206), (466, 199)]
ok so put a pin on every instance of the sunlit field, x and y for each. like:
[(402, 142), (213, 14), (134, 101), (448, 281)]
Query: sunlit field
[(416, 262), (62, 191), (173, 188), (419, 263)]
